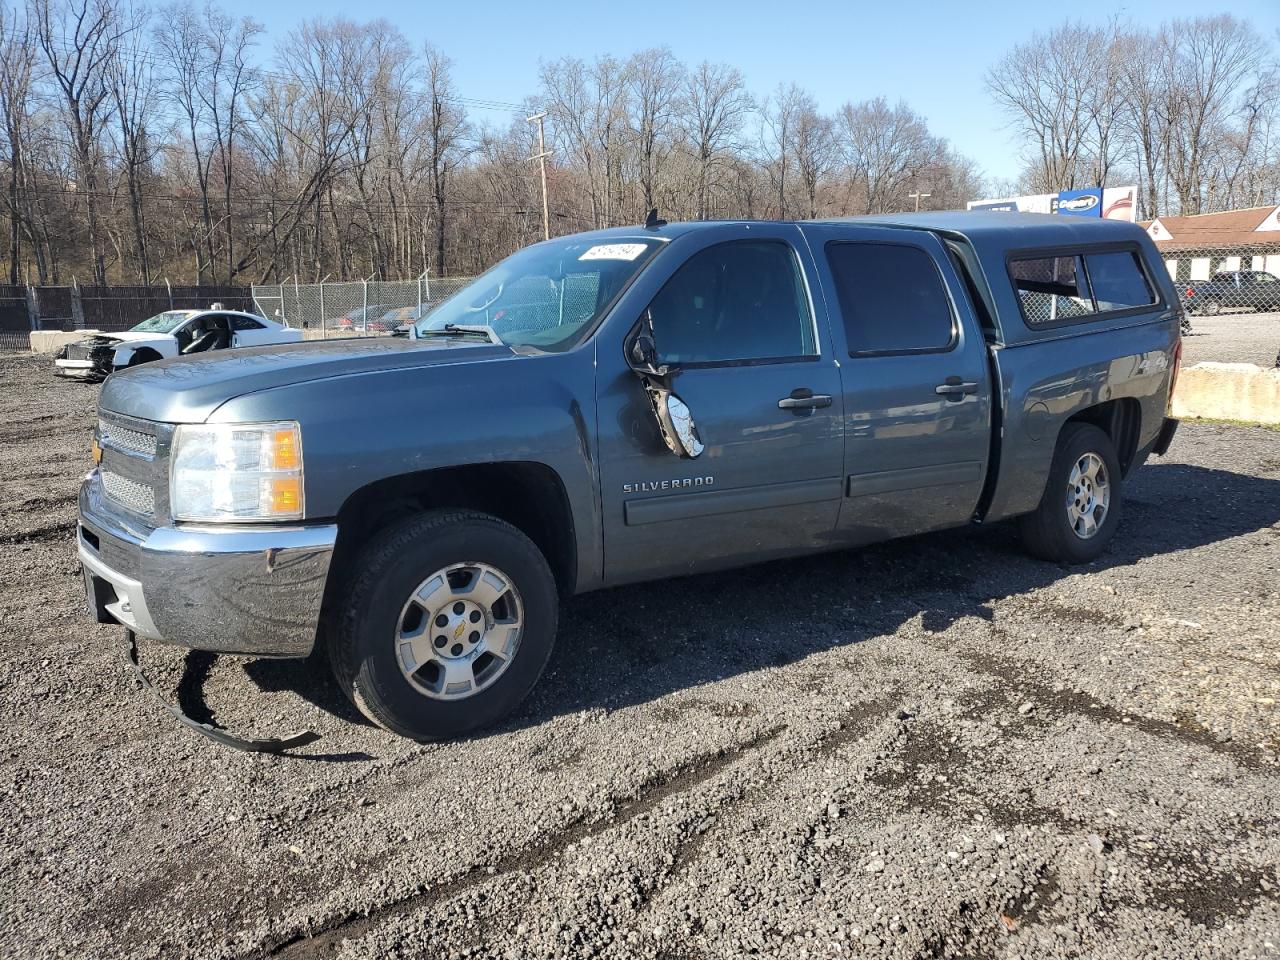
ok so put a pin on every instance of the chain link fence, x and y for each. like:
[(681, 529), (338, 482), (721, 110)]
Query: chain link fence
[(24, 309), (15, 317), (1221, 280), (353, 309)]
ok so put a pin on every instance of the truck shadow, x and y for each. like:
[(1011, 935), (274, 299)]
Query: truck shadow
[(635, 644)]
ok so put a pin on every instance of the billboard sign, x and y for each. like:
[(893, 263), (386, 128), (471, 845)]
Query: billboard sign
[(1080, 203), (1111, 203)]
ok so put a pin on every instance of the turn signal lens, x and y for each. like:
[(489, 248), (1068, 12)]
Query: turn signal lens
[(286, 496), (284, 446)]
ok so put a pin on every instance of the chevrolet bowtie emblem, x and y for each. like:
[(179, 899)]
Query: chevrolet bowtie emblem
[(458, 630)]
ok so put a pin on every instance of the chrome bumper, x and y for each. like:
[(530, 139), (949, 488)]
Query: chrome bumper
[(244, 589), (76, 369)]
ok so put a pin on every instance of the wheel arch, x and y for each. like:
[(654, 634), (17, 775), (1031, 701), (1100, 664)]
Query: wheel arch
[(1121, 420), (529, 495)]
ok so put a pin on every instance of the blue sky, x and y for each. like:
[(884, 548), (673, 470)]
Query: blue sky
[(933, 55)]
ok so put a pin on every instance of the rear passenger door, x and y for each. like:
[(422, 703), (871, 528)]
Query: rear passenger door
[(914, 367), (756, 370)]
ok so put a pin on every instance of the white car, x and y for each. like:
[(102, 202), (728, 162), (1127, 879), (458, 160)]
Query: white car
[(170, 334)]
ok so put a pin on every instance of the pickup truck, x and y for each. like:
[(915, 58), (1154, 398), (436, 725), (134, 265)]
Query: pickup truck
[(621, 406), (1231, 289)]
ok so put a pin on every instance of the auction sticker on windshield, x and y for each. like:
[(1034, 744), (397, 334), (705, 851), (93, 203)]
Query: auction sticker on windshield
[(614, 251)]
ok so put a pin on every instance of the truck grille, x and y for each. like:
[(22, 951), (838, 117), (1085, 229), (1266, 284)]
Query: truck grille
[(130, 494), (135, 441)]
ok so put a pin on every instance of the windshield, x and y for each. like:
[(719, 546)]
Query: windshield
[(165, 322), (546, 296)]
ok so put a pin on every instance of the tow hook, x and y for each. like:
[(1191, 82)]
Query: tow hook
[(216, 734)]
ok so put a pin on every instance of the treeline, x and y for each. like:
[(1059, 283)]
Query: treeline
[(1190, 112), (140, 144)]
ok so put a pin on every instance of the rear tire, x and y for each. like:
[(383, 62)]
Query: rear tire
[(1079, 509), (386, 649), (1212, 308)]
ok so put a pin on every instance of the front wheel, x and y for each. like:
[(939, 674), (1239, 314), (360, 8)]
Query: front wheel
[(448, 624), (1080, 507)]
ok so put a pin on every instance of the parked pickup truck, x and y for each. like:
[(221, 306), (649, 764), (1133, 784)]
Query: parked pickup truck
[(620, 406), (1253, 289)]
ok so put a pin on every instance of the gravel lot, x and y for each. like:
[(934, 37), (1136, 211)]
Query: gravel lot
[(1234, 338), (935, 748)]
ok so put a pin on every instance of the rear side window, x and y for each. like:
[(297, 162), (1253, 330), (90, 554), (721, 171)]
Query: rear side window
[(743, 300), (1052, 289), (1118, 281), (244, 323), (892, 299)]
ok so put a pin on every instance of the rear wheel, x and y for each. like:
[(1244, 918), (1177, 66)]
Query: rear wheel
[(447, 626), (1212, 308), (1080, 507)]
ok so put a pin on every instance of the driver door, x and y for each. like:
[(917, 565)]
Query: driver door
[(756, 371)]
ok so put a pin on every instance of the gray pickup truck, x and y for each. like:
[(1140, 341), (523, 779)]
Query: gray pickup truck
[(621, 406)]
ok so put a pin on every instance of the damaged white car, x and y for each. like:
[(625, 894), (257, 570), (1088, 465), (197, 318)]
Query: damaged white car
[(170, 334)]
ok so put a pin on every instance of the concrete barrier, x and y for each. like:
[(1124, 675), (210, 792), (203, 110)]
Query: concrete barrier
[(51, 341), (1228, 391)]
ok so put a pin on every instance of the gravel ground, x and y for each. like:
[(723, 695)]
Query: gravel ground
[(934, 748), (1234, 338)]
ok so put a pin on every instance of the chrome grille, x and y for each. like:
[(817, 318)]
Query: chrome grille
[(134, 496), (124, 438)]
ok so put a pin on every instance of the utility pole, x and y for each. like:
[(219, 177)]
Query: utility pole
[(917, 197), (541, 157)]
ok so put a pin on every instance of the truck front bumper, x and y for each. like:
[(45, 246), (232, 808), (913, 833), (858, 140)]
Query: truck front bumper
[(237, 589)]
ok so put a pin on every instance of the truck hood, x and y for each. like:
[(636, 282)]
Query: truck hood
[(189, 389)]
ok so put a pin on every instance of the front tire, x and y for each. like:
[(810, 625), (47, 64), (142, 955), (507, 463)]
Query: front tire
[(447, 625), (1080, 507)]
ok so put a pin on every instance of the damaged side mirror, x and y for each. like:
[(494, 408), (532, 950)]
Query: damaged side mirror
[(675, 420)]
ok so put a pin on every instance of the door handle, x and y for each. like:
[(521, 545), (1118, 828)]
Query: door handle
[(955, 389), (802, 398)]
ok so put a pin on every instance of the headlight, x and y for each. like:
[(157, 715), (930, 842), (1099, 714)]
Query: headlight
[(236, 471)]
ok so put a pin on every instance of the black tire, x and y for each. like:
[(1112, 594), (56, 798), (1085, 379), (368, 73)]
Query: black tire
[(145, 355), (1212, 308), (1047, 533), (387, 571)]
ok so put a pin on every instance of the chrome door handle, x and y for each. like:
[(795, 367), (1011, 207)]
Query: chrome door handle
[(955, 389), (804, 399)]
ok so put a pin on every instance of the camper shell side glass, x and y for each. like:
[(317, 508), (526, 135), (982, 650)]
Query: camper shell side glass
[(1080, 253)]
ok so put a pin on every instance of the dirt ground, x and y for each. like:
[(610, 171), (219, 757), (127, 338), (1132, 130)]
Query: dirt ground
[(1234, 338), (932, 748)]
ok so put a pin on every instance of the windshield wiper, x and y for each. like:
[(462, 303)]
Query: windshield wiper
[(485, 333)]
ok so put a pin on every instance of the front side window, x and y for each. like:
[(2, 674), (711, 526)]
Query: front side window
[(547, 296), (743, 300), (1118, 281), (892, 299), (1052, 289)]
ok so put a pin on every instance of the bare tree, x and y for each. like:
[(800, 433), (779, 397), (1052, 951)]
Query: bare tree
[(446, 135), (78, 39), (17, 65), (1215, 59), (884, 148), (716, 104), (654, 79), (1048, 87), (132, 83)]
